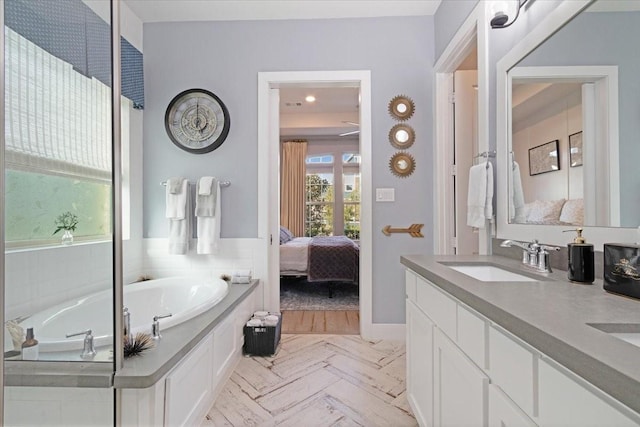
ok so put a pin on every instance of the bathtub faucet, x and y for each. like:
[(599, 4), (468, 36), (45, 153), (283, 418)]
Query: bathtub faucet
[(155, 326), (88, 350), (126, 322)]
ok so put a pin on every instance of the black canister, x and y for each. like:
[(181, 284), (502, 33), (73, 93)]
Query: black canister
[(580, 260)]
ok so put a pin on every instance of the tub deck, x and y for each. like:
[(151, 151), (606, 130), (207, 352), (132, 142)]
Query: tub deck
[(138, 372)]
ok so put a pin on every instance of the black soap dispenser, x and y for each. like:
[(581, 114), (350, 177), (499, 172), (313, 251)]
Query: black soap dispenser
[(580, 259)]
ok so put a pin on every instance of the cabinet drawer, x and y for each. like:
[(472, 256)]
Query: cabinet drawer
[(503, 412), (439, 307), (513, 368), (473, 331), (410, 285), (566, 399)]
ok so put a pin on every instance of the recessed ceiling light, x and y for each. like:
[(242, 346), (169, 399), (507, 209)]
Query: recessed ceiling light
[(310, 98)]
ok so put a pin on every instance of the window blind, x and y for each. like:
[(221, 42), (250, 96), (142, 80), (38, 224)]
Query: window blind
[(57, 120)]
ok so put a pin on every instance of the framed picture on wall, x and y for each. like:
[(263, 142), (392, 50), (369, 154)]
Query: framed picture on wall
[(544, 158), (575, 149)]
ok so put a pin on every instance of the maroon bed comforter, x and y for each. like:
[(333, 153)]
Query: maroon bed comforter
[(333, 258)]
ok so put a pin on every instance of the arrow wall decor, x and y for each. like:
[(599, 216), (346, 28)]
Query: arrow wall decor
[(413, 230)]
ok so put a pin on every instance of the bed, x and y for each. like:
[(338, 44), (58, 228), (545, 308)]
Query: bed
[(320, 258)]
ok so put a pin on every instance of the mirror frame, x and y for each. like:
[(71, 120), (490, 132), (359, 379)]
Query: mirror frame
[(395, 141), (395, 167), (549, 234)]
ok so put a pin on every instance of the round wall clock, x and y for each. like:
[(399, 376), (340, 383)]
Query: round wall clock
[(197, 121)]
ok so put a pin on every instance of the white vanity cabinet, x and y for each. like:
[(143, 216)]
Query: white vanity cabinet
[(566, 399), (444, 386), (461, 396), (465, 370)]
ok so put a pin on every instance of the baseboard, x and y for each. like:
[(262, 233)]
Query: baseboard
[(385, 331)]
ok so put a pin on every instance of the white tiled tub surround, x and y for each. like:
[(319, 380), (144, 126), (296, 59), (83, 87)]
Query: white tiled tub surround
[(38, 278), (234, 254)]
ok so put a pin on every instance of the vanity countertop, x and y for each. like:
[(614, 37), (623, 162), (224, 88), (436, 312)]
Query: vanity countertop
[(551, 315)]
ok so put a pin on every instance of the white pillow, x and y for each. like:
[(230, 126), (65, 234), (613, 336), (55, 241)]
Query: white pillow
[(545, 211), (573, 212)]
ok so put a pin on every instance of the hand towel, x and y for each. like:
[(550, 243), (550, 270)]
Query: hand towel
[(478, 194), (488, 204), (205, 185), (516, 196), (175, 184), (176, 202), (206, 203), (209, 227), (180, 228)]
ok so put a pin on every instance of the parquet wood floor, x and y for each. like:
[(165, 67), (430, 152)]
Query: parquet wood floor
[(321, 322), (318, 380)]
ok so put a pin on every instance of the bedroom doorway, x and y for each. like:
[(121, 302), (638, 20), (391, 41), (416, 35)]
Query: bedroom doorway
[(320, 187), (270, 86)]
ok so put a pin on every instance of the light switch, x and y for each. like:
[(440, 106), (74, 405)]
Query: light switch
[(385, 194)]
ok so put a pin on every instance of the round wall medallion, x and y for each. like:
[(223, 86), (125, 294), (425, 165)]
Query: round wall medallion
[(401, 107), (402, 164), (402, 136), (197, 121)]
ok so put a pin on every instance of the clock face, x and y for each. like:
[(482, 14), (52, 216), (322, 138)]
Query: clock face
[(197, 121)]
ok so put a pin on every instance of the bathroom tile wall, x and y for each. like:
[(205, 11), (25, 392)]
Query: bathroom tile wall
[(39, 278), (234, 254)]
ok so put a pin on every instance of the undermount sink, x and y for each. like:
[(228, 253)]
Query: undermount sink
[(629, 332), (490, 273)]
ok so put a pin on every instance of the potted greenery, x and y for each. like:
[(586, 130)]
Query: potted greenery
[(67, 222)]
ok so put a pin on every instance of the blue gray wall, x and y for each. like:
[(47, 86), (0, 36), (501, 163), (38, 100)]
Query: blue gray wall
[(225, 57), (589, 40), (448, 18)]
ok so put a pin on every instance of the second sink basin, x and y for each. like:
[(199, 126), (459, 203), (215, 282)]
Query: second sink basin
[(629, 332), (490, 273)]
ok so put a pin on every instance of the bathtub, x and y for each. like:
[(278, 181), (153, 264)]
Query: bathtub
[(182, 297)]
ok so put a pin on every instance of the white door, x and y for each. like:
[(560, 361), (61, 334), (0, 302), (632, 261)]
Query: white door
[(503, 412), (465, 147)]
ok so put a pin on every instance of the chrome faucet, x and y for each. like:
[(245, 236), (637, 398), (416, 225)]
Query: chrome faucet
[(126, 322), (88, 350), (155, 326), (534, 255)]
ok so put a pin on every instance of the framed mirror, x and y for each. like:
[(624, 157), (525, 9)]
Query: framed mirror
[(401, 107), (402, 164), (402, 136), (553, 85)]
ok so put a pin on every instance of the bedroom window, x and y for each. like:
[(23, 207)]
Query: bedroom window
[(333, 195), (320, 204)]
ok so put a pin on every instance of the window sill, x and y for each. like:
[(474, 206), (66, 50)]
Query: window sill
[(18, 248)]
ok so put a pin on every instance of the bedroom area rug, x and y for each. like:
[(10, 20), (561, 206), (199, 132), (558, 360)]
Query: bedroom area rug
[(298, 294)]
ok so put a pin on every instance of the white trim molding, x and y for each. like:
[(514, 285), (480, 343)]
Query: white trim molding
[(268, 178)]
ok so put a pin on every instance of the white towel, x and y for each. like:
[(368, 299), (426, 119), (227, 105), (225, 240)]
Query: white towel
[(204, 185), (516, 199), (209, 228), (180, 228), (480, 195), (176, 202), (206, 203)]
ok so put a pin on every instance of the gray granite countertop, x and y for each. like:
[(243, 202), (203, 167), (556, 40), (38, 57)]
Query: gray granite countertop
[(551, 315), (139, 371)]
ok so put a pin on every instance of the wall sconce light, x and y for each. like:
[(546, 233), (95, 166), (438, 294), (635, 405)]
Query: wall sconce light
[(505, 12)]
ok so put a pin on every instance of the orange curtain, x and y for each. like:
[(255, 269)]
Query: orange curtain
[(292, 185)]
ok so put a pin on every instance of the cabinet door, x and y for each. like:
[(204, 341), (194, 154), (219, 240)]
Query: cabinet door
[(503, 412), (460, 387), (567, 400), (420, 364)]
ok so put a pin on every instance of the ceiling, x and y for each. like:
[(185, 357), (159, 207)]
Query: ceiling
[(234, 10)]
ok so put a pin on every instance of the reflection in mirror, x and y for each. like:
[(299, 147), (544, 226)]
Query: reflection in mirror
[(579, 85)]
